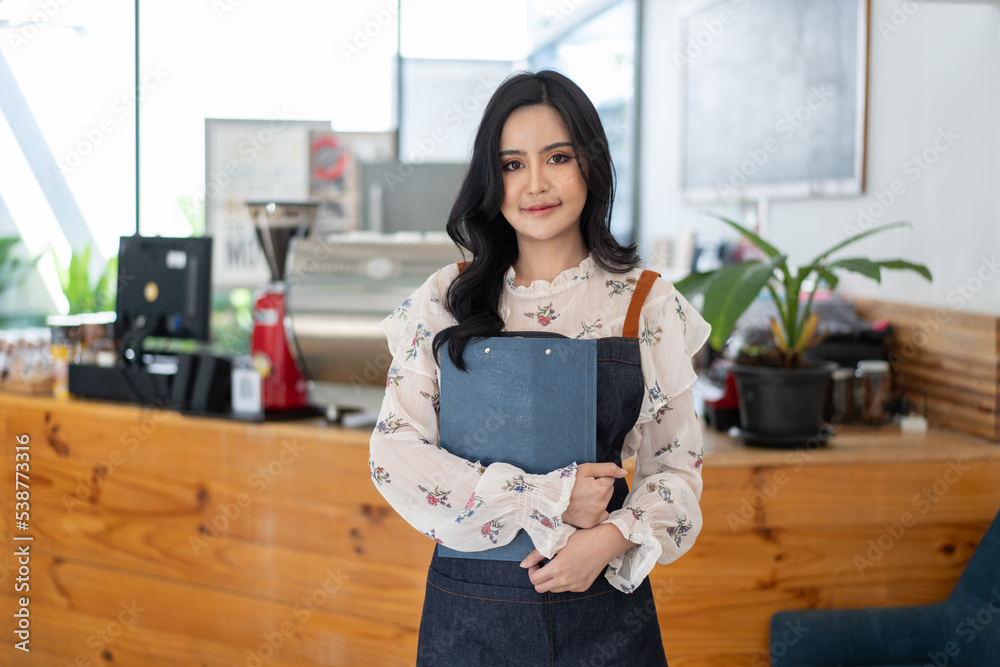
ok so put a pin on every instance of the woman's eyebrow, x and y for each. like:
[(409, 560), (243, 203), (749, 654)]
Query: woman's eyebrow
[(517, 151)]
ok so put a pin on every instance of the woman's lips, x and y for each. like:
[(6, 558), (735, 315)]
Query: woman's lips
[(544, 210)]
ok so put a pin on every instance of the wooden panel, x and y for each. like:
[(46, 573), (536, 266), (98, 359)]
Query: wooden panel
[(970, 374), (153, 519), (976, 346), (117, 516), (920, 385), (831, 557), (197, 514), (872, 308), (765, 497), (949, 414), (198, 486), (948, 362), (186, 620)]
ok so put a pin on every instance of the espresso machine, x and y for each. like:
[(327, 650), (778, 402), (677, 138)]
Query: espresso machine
[(284, 391)]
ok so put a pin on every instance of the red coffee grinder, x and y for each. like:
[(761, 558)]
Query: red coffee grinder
[(284, 393)]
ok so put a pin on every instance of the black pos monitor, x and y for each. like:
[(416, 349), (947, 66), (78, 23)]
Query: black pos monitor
[(164, 290)]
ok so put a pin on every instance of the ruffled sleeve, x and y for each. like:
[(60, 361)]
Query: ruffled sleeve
[(661, 514), (671, 331), (456, 502)]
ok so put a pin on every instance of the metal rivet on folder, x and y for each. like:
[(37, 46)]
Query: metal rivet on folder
[(548, 351), (487, 350)]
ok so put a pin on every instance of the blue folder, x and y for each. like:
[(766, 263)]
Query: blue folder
[(530, 402)]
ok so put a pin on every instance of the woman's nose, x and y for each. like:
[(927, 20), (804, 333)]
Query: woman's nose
[(537, 181)]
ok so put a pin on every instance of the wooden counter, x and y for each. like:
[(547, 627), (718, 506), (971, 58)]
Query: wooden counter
[(161, 539)]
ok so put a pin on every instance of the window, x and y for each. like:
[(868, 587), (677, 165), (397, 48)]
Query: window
[(454, 58), (67, 133)]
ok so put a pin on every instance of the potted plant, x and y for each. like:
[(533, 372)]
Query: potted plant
[(781, 393), (83, 297)]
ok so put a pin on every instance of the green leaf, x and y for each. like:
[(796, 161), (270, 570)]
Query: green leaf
[(828, 276), (13, 267), (9, 265), (731, 291), (77, 289), (865, 267), (105, 291), (75, 282), (60, 271), (903, 265), (694, 283), (766, 247), (858, 237), (7, 244)]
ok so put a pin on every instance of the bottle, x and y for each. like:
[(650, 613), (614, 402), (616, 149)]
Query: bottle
[(62, 346), (872, 391), (841, 406)]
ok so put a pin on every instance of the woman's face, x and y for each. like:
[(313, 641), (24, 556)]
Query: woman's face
[(543, 189)]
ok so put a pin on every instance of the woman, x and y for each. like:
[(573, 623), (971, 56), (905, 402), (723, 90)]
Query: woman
[(534, 213)]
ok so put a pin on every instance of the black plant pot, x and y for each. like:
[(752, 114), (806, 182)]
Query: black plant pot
[(781, 407)]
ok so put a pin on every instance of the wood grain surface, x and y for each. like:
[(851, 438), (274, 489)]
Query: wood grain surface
[(161, 539)]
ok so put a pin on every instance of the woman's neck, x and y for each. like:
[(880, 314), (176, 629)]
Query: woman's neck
[(545, 263)]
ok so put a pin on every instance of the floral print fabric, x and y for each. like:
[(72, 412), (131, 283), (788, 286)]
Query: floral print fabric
[(470, 507)]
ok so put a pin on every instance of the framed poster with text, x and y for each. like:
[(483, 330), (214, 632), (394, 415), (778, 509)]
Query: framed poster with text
[(284, 160)]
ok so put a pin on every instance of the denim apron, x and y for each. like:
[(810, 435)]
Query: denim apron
[(487, 613)]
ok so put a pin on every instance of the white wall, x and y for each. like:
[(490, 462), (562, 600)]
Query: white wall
[(940, 69)]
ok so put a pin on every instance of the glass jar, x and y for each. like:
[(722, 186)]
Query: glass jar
[(95, 338), (63, 351), (840, 409), (872, 391)]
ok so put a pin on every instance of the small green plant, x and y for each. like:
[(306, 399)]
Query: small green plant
[(75, 281), (729, 291), (232, 321), (14, 267)]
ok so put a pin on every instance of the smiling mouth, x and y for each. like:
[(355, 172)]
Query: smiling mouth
[(540, 209)]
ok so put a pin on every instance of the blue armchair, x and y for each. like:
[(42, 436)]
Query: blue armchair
[(962, 631)]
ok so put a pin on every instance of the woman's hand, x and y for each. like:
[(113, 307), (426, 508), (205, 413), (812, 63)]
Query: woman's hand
[(575, 567), (591, 493)]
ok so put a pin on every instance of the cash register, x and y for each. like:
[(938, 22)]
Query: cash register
[(164, 290)]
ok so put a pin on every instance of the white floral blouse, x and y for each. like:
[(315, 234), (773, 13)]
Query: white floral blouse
[(469, 507)]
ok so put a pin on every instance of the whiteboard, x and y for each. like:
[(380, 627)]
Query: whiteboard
[(772, 98)]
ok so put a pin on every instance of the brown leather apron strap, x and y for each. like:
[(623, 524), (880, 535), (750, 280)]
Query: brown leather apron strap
[(462, 265), (631, 329)]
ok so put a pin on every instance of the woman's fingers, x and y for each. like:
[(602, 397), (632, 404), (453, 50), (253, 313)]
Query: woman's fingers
[(532, 559), (592, 490), (538, 575), (598, 470)]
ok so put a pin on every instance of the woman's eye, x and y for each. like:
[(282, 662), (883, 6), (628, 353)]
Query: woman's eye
[(512, 165), (559, 158)]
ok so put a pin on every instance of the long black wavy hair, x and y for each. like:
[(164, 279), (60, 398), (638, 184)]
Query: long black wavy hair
[(476, 224)]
